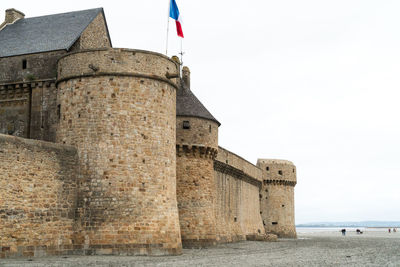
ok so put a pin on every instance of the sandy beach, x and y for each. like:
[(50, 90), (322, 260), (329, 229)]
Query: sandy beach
[(376, 247)]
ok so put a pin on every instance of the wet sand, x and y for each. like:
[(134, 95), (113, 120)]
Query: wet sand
[(373, 248)]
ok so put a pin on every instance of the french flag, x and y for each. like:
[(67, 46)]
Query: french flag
[(174, 13)]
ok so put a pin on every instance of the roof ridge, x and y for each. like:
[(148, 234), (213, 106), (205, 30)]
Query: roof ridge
[(46, 33), (64, 13)]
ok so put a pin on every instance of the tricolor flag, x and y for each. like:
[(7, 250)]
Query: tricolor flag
[(174, 13)]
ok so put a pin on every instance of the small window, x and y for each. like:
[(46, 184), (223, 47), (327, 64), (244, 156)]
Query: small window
[(274, 223), (280, 172), (267, 168), (283, 206), (210, 128), (235, 219), (24, 64), (186, 125), (293, 170), (59, 111)]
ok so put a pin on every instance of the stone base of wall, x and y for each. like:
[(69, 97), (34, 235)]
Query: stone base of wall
[(130, 250), (201, 243), (123, 250), (285, 232), (198, 243), (265, 237), (287, 235), (35, 251)]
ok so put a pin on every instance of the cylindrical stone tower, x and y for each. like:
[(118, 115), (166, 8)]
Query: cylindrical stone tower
[(196, 147), (277, 196), (117, 106)]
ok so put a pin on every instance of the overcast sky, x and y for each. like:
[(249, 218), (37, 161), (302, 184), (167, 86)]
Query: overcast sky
[(314, 82)]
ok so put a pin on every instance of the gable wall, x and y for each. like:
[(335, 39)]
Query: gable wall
[(94, 36)]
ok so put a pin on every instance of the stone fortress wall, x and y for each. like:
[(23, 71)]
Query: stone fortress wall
[(238, 208), (38, 192), (125, 178)]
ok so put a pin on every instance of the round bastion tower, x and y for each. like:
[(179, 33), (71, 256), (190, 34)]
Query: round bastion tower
[(277, 196), (117, 106), (196, 148)]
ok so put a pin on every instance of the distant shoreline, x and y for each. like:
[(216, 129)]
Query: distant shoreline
[(369, 224)]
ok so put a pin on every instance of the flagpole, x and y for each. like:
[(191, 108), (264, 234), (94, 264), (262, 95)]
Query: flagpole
[(166, 46), (181, 54)]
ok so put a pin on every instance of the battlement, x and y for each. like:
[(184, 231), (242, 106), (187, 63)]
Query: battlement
[(275, 161), (278, 171)]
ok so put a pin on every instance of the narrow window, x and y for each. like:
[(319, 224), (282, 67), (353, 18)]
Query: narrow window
[(235, 219), (280, 172), (186, 125), (24, 64), (267, 168), (210, 128), (59, 111), (293, 170), (274, 223)]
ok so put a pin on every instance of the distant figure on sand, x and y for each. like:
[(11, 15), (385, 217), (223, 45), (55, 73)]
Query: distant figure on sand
[(394, 230), (359, 231), (343, 231), (389, 230)]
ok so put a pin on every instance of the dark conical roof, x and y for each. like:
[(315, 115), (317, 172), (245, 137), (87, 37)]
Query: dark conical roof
[(187, 104)]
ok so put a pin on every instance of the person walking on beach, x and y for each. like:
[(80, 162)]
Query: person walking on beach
[(394, 230), (389, 230), (343, 232)]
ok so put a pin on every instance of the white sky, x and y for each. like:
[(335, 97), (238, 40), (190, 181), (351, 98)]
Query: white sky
[(315, 82)]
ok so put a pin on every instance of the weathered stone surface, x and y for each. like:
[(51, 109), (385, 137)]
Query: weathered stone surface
[(238, 206), (38, 192), (39, 66), (94, 36), (277, 196), (196, 189), (127, 202)]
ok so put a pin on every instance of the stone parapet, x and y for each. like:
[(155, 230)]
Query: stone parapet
[(278, 171), (237, 162), (119, 63)]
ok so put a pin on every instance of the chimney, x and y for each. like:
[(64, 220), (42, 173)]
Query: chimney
[(186, 77), (12, 15)]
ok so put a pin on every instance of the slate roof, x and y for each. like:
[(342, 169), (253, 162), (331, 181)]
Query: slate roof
[(45, 33), (187, 104)]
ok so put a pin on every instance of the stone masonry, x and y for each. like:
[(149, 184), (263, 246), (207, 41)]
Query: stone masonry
[(108, 151), (127, 202), (38, 192), (277, 196)]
